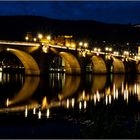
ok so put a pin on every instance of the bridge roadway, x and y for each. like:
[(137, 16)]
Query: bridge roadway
[(36, 58)]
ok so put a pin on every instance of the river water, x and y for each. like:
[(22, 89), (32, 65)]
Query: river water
[(64, 106)]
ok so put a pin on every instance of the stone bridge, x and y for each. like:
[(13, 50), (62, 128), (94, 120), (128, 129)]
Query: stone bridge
[(36, 58)]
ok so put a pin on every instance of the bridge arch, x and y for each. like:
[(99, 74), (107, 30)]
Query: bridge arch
[(117, 66), (72, 65), (30, 65), (99, 65)]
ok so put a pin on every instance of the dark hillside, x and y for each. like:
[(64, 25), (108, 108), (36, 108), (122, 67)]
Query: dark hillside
[(15, 28)]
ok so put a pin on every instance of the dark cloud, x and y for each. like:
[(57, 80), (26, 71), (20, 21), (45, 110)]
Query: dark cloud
[(106, 11)]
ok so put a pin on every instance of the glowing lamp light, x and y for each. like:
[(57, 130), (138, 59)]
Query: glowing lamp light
[(99, 50), (95, 49), (85, 45), (26, 38), (48, 37), (73, 45), (80, 43), (40, 36), (110, 49), (106, 48), (35, 39), (68, 45), (8, 49)]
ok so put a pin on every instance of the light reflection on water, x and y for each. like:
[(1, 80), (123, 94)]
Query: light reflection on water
[(59, 90)]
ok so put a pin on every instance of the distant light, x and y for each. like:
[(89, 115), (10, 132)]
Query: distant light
[(68, 44), (106, 48), (48, 37), (80, 43), (116, 53), (99, 50), (40, 36), (126, 53), (95, 49), (110, 49), (85, 45), (26, 38), (73, 45), (97, 54), (35, 39), (8, 49)]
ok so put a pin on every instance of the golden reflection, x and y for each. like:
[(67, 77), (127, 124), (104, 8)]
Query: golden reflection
[(116, 93), (85, 104), (7, 102), (126, 95), (106, 99), (71, 85), (48, 113), (26, 111), (39, 114), (0, 76), (122, 87), (28, 89), (80, 105), (98, 96), (68, 103), (98, 82), (135, 88), (109, 99), (33, 104), (118, 80), (44, 103), (94, 99), (83, 95), (34, 110), (72, 102), (107, 91)]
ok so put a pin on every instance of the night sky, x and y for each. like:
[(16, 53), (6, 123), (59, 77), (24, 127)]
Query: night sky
[(110, 11)]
